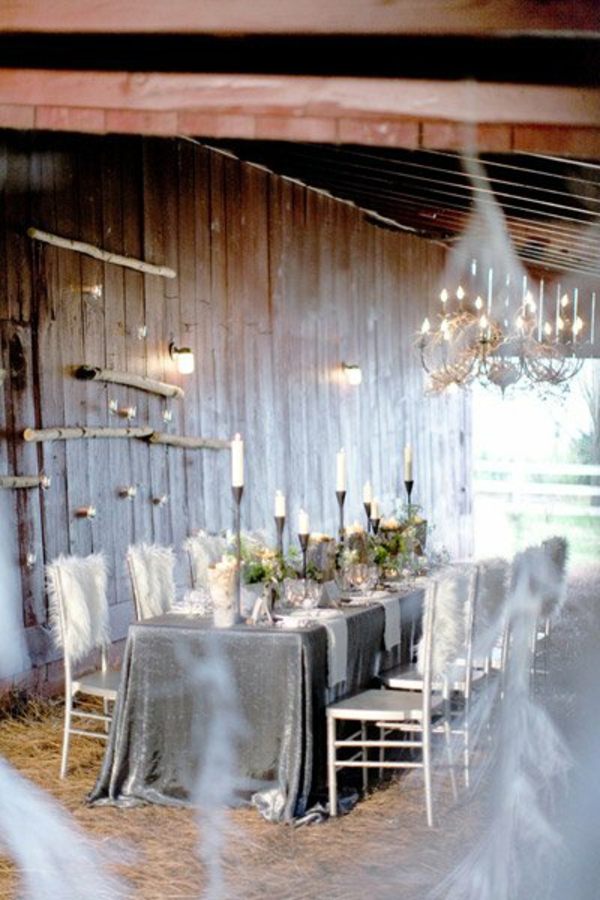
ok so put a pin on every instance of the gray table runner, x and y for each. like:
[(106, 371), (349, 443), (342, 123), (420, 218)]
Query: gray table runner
[(155, 745)]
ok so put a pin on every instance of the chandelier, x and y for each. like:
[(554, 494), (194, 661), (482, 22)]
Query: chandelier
[(535, 344)]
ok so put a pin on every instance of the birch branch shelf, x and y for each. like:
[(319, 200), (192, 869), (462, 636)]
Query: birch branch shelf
[(142, 382), (24, 481), (146, 433), (188, 443), (69, 433), (98, 253)]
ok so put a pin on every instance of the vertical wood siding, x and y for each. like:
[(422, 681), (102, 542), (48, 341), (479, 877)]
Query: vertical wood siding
[(275, 287)]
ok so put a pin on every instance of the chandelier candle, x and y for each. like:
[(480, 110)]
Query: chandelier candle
[(303, 537), (367, 500), (237, 489), (340, 487), (280, 519)]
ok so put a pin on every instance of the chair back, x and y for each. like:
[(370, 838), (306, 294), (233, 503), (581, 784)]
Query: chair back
[(531, 580), (78, 604), (203, 550), (448, 614), (490, 605), (151, 569), (556, 550)]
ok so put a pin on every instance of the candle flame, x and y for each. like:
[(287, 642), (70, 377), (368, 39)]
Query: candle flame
[(426, 326), (460, 292)]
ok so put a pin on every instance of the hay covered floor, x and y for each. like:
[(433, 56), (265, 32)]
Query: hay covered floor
[(382, 849)]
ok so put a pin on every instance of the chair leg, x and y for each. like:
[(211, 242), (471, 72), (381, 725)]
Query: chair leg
[(66, 736), (105, 707), (467, 745), (448, 740), (365, 757), (427, 775), (331, 771), (381, 753)]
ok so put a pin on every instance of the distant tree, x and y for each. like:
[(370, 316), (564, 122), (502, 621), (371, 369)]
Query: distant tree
[(587, 445)]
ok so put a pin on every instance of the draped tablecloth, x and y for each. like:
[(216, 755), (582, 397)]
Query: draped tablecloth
[(152, 755)]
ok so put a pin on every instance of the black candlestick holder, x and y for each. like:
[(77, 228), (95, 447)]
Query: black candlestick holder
[(303, 538), (367, 507), (341, 496), (237, 491), (375, 525), (408, 485), (280, 525)]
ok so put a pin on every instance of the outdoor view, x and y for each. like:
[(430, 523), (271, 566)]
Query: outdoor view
[(537, 468)]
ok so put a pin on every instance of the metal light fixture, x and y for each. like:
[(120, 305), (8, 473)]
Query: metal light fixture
[(183, 357), (352, 373), (504, 340)]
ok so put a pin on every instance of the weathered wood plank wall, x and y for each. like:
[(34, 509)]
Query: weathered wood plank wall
[(276, 287)]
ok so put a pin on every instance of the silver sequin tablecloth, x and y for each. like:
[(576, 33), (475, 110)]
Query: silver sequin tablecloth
[(153, 751)]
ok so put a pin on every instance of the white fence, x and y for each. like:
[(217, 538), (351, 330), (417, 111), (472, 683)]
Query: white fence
[(539, 488)]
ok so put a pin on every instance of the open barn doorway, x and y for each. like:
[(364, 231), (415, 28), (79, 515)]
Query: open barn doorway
[(537, 468)]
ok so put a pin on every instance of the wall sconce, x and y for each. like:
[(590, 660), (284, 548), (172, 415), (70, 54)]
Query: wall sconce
[(128, 492), (353, 374), (183, 358), (162, 500)]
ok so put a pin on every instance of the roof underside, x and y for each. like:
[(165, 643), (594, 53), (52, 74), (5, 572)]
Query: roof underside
[(551, 205)]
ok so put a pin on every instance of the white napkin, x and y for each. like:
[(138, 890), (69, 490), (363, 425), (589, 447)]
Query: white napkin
[(337, 637), (392, 632), (391, 606), (193, 603)]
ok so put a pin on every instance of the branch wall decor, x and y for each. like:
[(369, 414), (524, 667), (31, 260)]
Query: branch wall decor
[(69, 433), (143, 432), (142, 382), (98, 253), (24, 481), (2, 375), (188, 443)]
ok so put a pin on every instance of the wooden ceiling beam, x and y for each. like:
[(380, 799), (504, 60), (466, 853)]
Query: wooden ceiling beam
[(307, 17)]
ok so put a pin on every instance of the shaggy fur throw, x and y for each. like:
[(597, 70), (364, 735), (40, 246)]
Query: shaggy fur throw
[(449, 619), (490, 604), (77, 586), (203, 550), (152, 580)]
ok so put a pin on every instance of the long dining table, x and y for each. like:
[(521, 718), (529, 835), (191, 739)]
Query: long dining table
[(279, 675)]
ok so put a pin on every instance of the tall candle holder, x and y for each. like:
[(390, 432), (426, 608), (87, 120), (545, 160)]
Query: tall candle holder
[(375, 525), (303, 538), (341, 496), (367, 506), (408, 485), (280, 525), (237, 491)]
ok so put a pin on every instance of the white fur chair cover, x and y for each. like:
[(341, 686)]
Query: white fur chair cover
[(77, 585), (556, 549), (203, 550), (153, 583), (449, 619), (490, 604)]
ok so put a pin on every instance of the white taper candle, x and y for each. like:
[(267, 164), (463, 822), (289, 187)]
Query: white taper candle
[(408, 463), (237, 462), (340, 481), (279, 505), (303, 522)]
